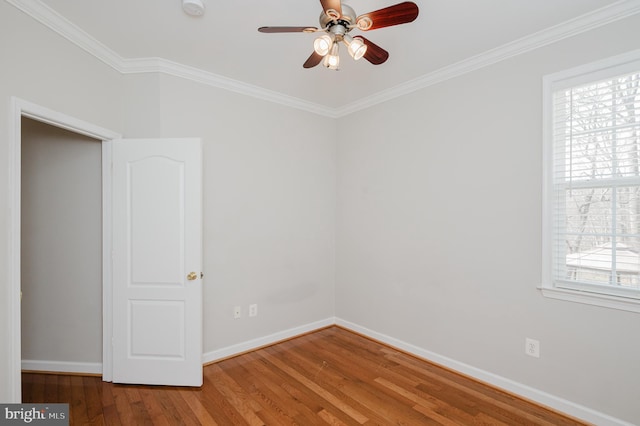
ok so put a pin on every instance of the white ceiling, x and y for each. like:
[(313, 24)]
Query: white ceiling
[(226, 43)]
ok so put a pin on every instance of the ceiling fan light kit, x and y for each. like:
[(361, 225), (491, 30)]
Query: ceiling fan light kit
[(337, 20)]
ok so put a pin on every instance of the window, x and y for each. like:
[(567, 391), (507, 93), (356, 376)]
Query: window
[(592, 184)]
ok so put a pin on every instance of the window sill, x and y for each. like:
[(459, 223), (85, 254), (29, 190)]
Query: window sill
[(605, 301)]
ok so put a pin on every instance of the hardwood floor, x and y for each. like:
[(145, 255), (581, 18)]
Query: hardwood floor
[(331, 376)]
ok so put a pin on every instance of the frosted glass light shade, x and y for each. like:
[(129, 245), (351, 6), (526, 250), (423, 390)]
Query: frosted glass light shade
[(355, 46), (332, 60), (322, 45)]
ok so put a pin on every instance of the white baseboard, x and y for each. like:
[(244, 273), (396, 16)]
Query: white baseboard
[(63, 366), (525, 391), (264, 341)]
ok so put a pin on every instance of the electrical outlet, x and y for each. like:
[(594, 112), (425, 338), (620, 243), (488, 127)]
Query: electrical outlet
[(253, 310), (237, 312), (532, 347)]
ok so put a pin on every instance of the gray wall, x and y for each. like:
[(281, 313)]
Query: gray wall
[(439, 231), (61, 271)]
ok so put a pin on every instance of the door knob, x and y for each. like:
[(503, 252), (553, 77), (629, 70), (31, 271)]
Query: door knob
[(192, 276)]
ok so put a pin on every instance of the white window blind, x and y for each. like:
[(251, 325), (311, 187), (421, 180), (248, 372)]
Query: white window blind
[(595, 176)]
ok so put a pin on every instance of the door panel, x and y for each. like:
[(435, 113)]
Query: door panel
[(157, 228), (156, 186), (165, 316)]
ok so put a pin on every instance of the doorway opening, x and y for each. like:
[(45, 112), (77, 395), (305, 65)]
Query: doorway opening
[(61, 250), (24, 109)]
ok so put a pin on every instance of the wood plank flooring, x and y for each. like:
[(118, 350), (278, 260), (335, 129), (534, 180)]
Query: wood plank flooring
[(331, 376)]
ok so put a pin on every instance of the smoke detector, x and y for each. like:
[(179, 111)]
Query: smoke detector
[(193, 7)]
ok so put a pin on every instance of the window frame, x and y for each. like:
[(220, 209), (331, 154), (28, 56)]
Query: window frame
[(575, 292)]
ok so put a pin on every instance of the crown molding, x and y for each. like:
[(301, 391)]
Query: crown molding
[(160, 65), (50, 18), (58, 23), (606, 15)]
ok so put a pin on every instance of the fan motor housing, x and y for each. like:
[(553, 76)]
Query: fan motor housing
[(348, 18)]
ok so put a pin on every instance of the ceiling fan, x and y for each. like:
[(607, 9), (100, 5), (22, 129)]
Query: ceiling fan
[(337, 20)]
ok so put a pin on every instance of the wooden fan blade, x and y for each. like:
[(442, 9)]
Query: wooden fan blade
[(400, 13), (333, 8), (272, 30), (313, 60), (374, 54)]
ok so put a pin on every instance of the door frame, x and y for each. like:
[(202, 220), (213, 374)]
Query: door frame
[(22, 108)]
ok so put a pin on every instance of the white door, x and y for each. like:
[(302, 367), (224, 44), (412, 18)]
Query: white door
[(157, 261)]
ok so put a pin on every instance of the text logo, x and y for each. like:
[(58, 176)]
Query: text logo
[(34, 414)]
